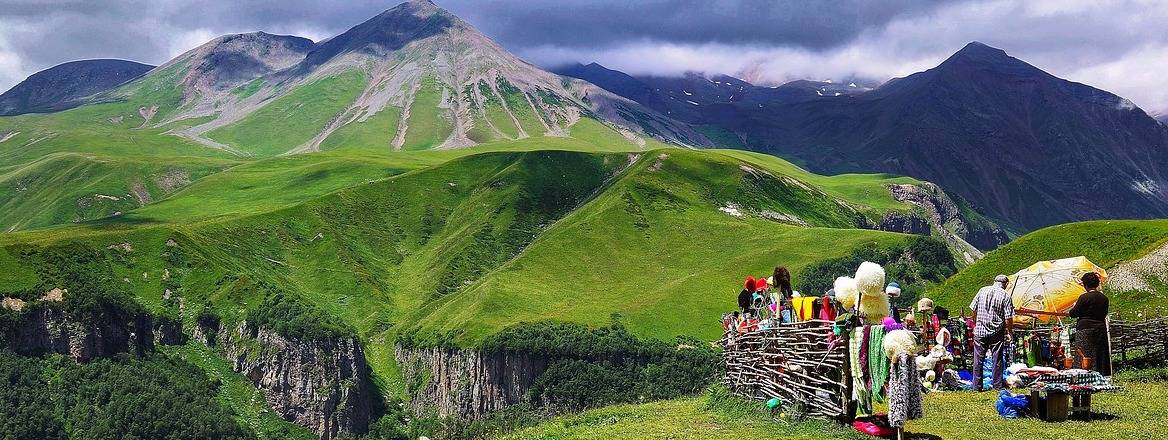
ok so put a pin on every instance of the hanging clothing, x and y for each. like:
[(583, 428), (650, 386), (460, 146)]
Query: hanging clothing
[(865, 354), (860, 392), (803, 306), (904, 391), (827, 309), (878, 366)]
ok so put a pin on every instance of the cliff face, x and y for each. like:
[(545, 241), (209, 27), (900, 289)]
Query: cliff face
[(938, 213), (466, 383), (322, 385), (50, 330)]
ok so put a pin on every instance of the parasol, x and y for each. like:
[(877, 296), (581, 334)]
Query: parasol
[(1052, 286)]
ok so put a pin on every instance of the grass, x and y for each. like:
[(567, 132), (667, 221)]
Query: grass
[(960, 415), (71, 187), (440, 240), (1105, 243), (429, 124), (374, 133), (654, 248), (294, 118), (496, 111)]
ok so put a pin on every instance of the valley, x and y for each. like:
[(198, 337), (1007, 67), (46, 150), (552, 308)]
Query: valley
[(405, 230)]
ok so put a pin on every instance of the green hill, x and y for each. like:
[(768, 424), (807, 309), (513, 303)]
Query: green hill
[(1107, 243), (475, 243)]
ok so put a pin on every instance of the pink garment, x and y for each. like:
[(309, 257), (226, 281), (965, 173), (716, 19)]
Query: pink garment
[(827, 311)]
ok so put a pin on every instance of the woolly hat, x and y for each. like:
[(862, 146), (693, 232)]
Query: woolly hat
[(893, 290), (846, 292), (760, 283), (749, 284), (925, 305), (899, 341)]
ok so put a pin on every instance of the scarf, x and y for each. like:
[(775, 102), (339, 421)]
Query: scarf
[(860, 393), (878, 365)]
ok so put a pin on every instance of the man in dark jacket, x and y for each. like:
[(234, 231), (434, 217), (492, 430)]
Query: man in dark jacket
[(1091, 328)]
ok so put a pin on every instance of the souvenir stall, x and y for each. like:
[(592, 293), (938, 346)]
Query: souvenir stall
[(1060, 378), (842, 369)]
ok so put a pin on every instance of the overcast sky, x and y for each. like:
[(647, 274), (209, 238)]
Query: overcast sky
[(1120, 46)]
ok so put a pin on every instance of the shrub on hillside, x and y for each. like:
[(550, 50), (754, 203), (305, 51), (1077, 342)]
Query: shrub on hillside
[(291, 318)]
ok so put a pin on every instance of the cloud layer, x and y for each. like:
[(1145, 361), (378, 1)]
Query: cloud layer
[(1120, 46)]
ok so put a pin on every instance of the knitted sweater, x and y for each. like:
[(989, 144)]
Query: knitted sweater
[(904, 391)]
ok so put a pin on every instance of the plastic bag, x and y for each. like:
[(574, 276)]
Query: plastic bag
[(1012, 406)]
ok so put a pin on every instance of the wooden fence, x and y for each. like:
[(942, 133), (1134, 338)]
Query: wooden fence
[(794, 362), (1146, 339)]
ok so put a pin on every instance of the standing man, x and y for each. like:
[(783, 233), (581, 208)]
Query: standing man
[(993, 312)]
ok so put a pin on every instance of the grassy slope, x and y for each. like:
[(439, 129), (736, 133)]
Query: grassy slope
[(653, 247), (947, 415), (293, 118), (374, 133), (369, 255), (71, 187), (428, 125), (1105, 243)]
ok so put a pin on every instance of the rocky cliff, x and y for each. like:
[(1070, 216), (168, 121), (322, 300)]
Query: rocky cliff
[(47, 328), (323, 385), (938, 213), (466, 383)]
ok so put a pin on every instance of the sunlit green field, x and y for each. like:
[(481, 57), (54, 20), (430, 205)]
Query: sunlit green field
[(1131, 414)]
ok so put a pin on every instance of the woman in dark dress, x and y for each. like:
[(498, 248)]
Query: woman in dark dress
[(1090, 336)]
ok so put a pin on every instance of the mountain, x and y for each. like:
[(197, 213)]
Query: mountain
[(413, 77), (1023, 146), (63, 86), (1162, 117)]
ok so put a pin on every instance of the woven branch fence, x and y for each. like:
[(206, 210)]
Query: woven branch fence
[(1146, 338), (794, 362)]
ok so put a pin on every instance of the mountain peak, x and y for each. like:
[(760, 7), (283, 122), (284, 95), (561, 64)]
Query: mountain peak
[(982, 57), (389, 31)]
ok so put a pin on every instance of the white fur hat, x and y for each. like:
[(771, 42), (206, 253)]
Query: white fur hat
[(870, 278), (897, 342), (846, 292)]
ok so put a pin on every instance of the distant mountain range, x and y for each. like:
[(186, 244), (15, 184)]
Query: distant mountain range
[(64, 86), (1025, 147)]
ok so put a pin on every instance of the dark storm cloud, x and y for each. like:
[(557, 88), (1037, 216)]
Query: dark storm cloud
[(43, 33), (599, 23)]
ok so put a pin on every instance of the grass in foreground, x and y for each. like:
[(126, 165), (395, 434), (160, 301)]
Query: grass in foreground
[(1133, 413)]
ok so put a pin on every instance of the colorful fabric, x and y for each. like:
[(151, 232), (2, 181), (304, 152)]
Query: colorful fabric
[(860, 392), (878, 365), (865, 354), (827, 309), (803, 307), (904, 391)]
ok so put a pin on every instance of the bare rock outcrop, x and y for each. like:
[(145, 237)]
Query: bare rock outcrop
[(466, 383), (49, 329), (937, 213), (321, 384)]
